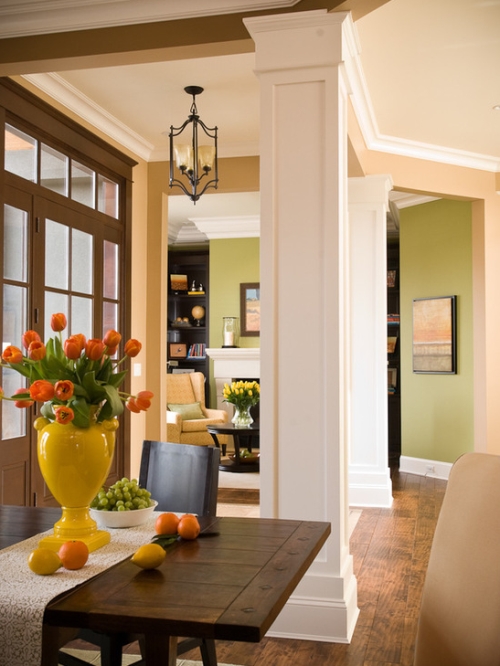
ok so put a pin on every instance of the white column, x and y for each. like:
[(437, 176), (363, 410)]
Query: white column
[(303, 266), (369, 474)]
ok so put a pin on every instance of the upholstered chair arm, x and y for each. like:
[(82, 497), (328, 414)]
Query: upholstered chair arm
[(174, 426)]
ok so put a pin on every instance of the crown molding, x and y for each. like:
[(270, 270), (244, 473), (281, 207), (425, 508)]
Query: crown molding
[(37, 17), (74, 100), (241, 226)]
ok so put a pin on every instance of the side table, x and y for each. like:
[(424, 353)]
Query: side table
[(244, 438)]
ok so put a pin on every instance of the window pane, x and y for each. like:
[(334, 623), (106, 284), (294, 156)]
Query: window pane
[(15, 245), (54, 170), (20, 153), (82, 184), (13, 418), (110, 316), (56, 255), (54, 303), (82, 262), (107, 196), (110, 286), (14, 325), (81, 316)]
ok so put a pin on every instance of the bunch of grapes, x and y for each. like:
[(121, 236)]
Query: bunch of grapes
[(124, 495)]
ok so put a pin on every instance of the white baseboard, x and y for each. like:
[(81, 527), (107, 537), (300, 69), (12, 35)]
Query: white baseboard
[(432, 468)]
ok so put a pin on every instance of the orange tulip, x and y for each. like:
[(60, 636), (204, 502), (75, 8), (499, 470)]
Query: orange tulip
[(132, 406), (64, 414), (82, 340), (72, 348), (36, 350), (41, 390), (22, 403), (94, 349), (112, 340), (143, 399), (12, 355), (111, 351), (132, 348), (58, 322), (63, 389), (29, 337)]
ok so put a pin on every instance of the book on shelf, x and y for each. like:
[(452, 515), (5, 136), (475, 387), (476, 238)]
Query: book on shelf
[(393, 318), (197, 350)]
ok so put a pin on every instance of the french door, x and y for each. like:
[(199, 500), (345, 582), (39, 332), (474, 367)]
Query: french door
[(55, 259)]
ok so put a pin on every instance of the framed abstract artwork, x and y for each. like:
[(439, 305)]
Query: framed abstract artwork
[(434, 335)]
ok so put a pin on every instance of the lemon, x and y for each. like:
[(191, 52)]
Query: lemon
[(44, 561), (149, 556)]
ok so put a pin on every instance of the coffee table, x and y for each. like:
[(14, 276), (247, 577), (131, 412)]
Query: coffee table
[(244, 438)]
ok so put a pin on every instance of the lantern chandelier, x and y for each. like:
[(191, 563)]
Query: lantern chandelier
[(193, 161)]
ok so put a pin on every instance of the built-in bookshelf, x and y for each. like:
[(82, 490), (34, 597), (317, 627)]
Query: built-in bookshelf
[(393, 353), (188, 302)]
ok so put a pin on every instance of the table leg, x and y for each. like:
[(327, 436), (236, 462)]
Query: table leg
[(160, 650)]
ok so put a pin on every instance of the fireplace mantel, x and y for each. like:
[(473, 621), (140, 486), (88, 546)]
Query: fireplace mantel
[(233, 363)]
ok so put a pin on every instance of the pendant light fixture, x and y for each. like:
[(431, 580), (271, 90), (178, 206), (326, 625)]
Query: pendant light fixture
[(193, 161)]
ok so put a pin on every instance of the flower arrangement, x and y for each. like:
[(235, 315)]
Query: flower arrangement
[(77, 381), (242, 394)]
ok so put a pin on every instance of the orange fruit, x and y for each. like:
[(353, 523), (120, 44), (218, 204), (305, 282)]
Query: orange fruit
[(166, 523), (188, 527), (73, 554)]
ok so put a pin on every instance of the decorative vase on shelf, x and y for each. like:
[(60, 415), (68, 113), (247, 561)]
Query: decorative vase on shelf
[(242, 417), (75, 463)]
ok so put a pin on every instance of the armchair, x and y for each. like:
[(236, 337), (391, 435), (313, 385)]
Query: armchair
[(187, 416)]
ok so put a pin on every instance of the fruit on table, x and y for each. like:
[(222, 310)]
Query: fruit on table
[(149, 556), (44, 561), (188, 527), (124, 495), (73, 554), (167, 523)]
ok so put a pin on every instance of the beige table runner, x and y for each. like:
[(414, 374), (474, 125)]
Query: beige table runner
[(24, 595)]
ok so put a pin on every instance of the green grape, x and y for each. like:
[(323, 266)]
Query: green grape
[(123, 495)]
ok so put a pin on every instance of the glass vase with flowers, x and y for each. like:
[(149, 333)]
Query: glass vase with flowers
[(78, 384), (243, 395)]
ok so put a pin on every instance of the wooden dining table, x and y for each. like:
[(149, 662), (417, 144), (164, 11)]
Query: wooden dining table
[(229, 584)]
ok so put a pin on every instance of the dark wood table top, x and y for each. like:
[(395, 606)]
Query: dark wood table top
[(231, 429), (231, 583)]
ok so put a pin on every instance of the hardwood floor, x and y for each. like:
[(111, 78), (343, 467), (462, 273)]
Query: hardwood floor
[(390, 548)]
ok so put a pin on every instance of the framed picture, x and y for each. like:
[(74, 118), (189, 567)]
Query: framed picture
[(178, 350), (250, 308), (391, 278), (178, 282), (434, 335)]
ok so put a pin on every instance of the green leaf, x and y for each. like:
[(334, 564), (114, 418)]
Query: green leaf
[(82, 412), (114, 404)]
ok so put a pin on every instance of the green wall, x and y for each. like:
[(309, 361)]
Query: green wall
[(436, 260), (232, 262)]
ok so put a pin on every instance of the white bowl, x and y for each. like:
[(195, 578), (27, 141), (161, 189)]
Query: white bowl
[(118, 519)]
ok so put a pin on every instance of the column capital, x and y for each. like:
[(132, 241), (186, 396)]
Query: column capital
[(326, 38)]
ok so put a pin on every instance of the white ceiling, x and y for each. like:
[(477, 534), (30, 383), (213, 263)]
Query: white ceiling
[(431, 69)]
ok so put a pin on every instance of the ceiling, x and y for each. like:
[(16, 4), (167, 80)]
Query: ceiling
[(431, 74)]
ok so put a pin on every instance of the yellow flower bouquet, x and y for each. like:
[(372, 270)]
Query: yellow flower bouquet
[(242, 394)]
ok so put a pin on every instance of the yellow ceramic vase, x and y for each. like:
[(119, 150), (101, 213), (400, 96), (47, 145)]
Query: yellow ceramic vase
[(75, 463)]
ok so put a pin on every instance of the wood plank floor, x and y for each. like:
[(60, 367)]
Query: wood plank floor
[(390, 548)]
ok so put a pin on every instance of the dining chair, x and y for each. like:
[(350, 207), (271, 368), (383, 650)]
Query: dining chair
[(183, 479), (460, 609)]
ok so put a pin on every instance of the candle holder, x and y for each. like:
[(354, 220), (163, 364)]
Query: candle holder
[(230, 332)]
